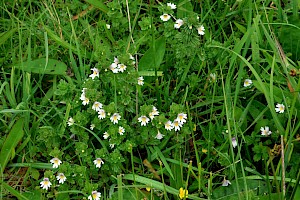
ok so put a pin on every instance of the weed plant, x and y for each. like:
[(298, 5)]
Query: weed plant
[(132, 99)]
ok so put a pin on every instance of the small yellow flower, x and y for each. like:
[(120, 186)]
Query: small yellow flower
[(148, 189), (204, 150), (183, 193)]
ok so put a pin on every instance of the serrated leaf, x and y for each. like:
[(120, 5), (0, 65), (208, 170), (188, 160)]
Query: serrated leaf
[(34, 173), (42, 66)]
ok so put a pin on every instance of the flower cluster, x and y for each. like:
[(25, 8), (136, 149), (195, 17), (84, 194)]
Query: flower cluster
[(117, 67), (45, 183), (177, 123), (83, 98), (178, 22)]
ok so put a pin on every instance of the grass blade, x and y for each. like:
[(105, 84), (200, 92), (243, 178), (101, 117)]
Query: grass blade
[(10, 143)]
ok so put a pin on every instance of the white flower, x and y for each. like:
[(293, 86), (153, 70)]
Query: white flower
[(61, 178), (95, 196), (144, 120), (97, 106), (233, 142), (114, 67), (70, 121), (45, 184), (181, 117), (178, 23), (159, 136), (153, 113), (111, 145), (213, 77), (56, 162), (165, 17), (105, 135), (115, 118), (95, 73), (121, 130), (265, 131), (201, 30), (225, 182), (98, 162), (92, 126), (169, 126), (140, 80), (177, 125), (171, 5), (247, 82), (279, 108), (116, 60), (107, 26), (85, 101), (83, 90), (82, 96), (121, 67), (101, 114)]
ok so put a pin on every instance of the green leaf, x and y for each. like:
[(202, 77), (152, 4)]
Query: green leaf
[(163, 159), (13, 138), (13, 191), (4, 36), (153, 56), (43, 66), (155, 184), (98, 4)]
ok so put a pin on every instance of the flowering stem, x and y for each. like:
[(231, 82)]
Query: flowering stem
[(115, 84)]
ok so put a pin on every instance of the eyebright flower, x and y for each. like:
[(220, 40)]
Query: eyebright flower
[(144, 120), (97, 106), (165, 17), (70, 121), (201, 30), (116, 60), (105, 135), (85, 101), (115, 118), (56, 162), (121, 67), (114, 68), (181, 117), (95, 73), (111, 145), (178, 23), (140, 80), (95, 196), (153, 113), (234, 142), (279, 108), (61, 178), (121, 130), (213, 77), (247, 82), (159, 136), (169, 126), (171, 5), (101, 114), (45, 184), (183, 193), (98, 162), (107, 26), (265, 131), (225, 182), (177, 125), (92, 126)]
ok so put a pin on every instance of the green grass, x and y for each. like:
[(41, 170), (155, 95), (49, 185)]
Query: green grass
[(48, 49)]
